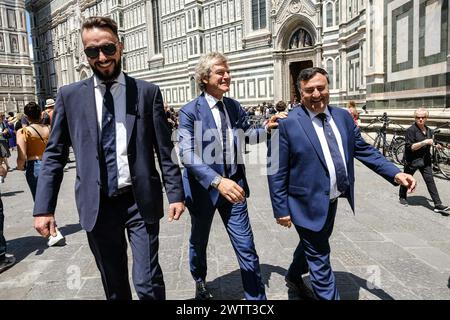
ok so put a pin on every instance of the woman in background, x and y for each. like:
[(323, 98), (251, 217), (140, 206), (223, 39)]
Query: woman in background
[(31, 143), (351, 107)]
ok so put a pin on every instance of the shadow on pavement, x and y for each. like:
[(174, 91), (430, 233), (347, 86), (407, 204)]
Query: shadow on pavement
[(349, 286), (229, 286), (420, 201), (11, 193), (23, 247)]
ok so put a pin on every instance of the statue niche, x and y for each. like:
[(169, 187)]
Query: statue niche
[(300, 39)]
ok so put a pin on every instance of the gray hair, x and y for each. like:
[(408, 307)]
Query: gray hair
[(421, 110), (204, 65)]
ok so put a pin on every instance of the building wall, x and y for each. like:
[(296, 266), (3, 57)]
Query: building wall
[(16, 73), (416, 61), (359, 42)]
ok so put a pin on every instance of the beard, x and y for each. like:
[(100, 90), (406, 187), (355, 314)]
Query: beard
[(111, 76)]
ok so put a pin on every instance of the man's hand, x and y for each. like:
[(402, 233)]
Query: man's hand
[(3, 171), (175, 210), (273, 121), (285, 221), (45, 225), (231, 191), (428, 141), (406, 180)]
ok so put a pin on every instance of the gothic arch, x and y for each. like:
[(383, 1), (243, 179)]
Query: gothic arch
[(83, 74), (292, 25)]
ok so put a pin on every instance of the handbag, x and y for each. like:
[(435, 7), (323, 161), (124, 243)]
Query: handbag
[(417, 163)]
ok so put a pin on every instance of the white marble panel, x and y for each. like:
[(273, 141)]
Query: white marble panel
[(402, 40), (433, 28)]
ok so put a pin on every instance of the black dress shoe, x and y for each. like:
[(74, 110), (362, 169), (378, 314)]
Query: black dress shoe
[(201, 293), (300, 288)]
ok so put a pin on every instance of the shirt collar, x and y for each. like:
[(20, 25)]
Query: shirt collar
[(212, 101), (313, 114), (120, 79)]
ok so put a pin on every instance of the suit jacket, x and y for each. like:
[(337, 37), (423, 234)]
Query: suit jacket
[(199, 138), (300, 187), (74, 123)]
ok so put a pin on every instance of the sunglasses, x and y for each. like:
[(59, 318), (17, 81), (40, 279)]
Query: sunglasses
[(421, 117), (108, 49)]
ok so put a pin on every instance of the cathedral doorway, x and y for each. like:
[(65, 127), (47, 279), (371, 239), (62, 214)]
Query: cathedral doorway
[(294, 70)]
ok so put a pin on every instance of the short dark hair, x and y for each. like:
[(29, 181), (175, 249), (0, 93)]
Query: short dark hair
[(308, 73), (280, 106), (100, 22), (32, 111)]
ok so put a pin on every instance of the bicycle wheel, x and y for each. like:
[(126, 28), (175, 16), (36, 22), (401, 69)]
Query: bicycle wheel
[(443, 162), (377, 142), (399, 153)]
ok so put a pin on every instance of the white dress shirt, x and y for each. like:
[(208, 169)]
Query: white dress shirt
[(212, 102), (318, 126), (118, 91)]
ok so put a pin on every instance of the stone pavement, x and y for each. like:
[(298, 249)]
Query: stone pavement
[(385, 251)]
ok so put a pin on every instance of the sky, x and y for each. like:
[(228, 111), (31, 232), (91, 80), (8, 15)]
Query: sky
[(30, 45)]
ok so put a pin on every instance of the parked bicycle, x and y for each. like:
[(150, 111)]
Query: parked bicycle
[(440, 155), (388, 149)]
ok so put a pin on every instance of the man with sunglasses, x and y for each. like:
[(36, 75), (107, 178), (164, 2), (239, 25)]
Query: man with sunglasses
[(417, 156), (114, 123)]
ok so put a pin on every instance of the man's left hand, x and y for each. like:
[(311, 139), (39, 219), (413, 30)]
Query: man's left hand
[(406, 180), (176, 209)]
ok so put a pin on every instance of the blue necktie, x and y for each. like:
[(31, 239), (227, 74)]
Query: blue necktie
[(339, 167), (108, 143), (225, 147)]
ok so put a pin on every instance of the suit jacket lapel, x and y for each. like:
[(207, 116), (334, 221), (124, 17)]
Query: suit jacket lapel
[(90, 109), (205, 114), (132, 104), (307, 126), (339, 121)]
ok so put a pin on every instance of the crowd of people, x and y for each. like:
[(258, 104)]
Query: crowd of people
[(119, 190)]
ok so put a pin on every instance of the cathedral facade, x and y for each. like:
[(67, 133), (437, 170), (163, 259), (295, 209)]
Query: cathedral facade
[(388, 54), (16, 71)]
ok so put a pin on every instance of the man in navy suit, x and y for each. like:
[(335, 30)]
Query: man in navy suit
[(211, 133), (115, 124), (316, 149)]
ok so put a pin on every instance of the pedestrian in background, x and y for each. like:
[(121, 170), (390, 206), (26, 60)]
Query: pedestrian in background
[(417, 156), (31, 142), (6, 260)]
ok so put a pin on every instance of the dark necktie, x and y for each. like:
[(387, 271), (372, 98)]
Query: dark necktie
[(339, 167), (225, 145), (108, 143)]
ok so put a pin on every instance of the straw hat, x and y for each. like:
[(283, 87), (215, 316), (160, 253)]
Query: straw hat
[(49, 103)]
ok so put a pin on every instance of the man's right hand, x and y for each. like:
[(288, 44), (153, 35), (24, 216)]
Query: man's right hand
[(428, 141), (231, 191), (285, 221), (45, 225)]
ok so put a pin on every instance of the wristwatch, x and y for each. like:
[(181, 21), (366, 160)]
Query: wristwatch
[(216, 181)]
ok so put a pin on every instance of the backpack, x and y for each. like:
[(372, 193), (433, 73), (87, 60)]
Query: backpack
[(47, 117)]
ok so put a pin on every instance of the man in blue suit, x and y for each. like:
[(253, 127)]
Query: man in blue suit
[(115, 124), (316, 149), (211, 132)]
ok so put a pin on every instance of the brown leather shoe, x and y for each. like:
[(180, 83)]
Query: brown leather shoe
[(300, 288)]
